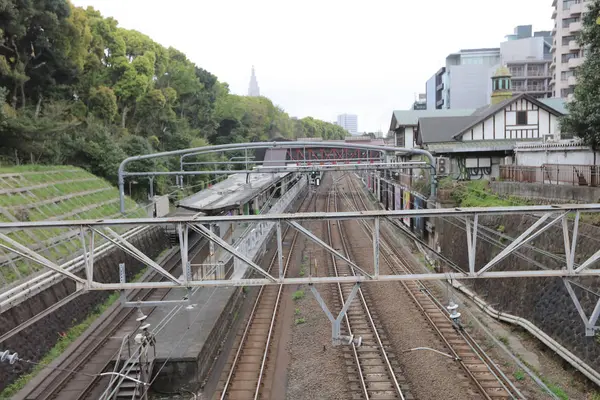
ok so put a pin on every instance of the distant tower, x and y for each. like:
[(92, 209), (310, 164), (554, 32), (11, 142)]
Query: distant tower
[(253, 89), (501, 85)]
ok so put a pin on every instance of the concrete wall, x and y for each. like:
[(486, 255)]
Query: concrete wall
[(522, 49), (543, 301), (430, 91), (35, 341), (548, 193), (536, 156), (468, 86)]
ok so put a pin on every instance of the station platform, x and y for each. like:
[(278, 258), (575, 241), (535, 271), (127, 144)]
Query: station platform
[(192, 337)]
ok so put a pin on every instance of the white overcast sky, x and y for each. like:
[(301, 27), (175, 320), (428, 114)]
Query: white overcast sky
[(327, 57)]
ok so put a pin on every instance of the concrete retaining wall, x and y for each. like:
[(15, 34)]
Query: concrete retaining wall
[(548, 193), (543, 301), (35, 341)]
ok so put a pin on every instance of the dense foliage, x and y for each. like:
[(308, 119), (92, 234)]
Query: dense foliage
[(583, 119), (75, 88)]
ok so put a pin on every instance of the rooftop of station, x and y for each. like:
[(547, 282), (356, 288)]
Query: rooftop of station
[(231, 193)]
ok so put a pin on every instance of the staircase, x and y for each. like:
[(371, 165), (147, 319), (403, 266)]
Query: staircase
[(129, 389)]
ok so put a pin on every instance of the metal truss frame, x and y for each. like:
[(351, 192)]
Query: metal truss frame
[(548, 216), (358, 149)]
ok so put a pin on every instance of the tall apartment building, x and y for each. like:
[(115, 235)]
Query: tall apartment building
[(529, 59), (349, 122), (567, 55), (465, 81)]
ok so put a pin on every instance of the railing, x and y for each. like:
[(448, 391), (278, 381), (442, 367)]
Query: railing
[(554, 174), (254, 240)]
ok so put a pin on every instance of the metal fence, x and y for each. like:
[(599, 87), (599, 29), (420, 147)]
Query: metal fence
[(554, 174)]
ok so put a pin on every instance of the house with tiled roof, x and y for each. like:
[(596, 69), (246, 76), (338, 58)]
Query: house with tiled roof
[(477, 143)]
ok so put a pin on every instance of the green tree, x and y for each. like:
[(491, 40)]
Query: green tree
[(583, 119), (103, 103)]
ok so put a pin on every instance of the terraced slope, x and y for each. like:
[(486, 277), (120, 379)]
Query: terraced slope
[(35, 193)]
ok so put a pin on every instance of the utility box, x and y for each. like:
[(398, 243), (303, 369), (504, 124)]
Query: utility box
[(443, 166), (161, 206)]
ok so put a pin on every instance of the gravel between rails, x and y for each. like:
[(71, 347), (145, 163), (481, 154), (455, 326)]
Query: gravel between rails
[(316, 370), (430, 376)]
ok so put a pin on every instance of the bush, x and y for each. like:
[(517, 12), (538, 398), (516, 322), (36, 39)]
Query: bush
[(298, 295)]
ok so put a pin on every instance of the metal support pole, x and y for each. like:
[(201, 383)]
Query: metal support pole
[(122, 192), (92, 254), (590, 325), (472, 242), (182, 231), (86, 260), (376, 248), (279, 249), (336, 336), (122, 280), (570, 245), (151, 179)]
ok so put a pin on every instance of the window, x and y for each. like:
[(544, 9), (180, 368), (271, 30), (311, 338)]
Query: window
[(567, 39), (521, 117), (566, 57), (567, 21)]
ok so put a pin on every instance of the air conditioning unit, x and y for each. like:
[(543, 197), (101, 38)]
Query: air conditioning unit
[(443, 166), (548, 138)]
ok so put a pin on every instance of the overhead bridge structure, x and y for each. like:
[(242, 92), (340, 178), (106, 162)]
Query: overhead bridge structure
[(549, 216), (304, 156)]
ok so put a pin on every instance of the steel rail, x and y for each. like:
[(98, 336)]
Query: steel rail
[(247, 329), (117, 317), (390, 253), (367, 313)]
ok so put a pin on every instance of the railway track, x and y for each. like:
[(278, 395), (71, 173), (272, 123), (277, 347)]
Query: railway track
[(487, 378), (246, 373), (372, 369), (95, 352)]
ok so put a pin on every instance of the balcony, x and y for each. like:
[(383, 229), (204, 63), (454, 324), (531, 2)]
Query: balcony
[(575, 62), (575, 27), (537, 89), (439, 87), (576, 8), (573, 45), (572, 80), (554, 13)]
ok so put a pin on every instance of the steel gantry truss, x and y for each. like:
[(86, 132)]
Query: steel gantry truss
[(548, 216), (348, 156)]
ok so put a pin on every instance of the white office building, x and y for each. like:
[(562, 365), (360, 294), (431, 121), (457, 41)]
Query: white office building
[(349, 122)]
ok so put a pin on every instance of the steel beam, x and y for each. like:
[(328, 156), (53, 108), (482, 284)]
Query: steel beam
[(562, 273), (211, 236), (135, 252), (36, 257), (308, 216), (327, 247), (525, 237)]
